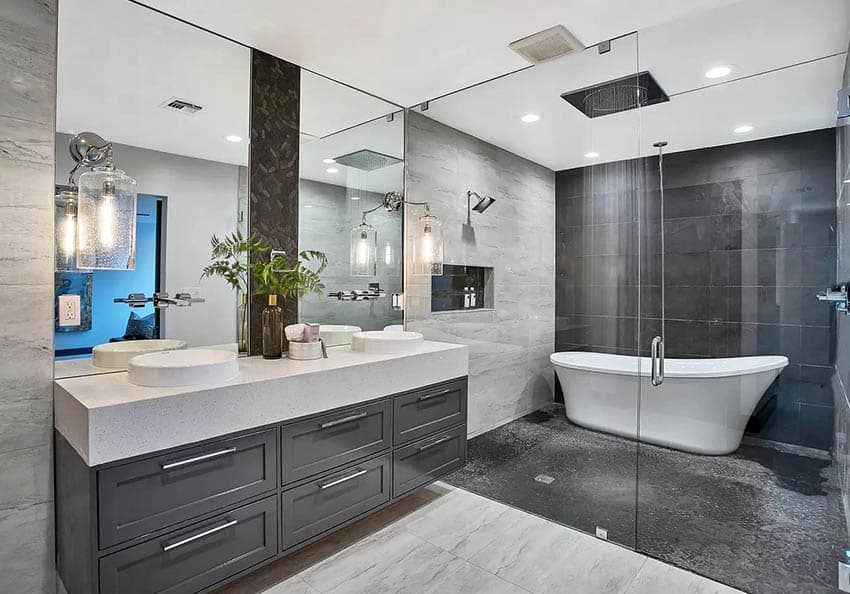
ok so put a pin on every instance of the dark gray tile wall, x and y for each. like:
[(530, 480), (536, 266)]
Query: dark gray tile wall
[(27, 109), (273, 171), (749, 238)]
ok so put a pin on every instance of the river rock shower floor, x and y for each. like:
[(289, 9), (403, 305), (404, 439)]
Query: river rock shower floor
[(765, 519)]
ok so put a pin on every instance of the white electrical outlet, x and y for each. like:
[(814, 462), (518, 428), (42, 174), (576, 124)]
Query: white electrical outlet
[(69, 310)]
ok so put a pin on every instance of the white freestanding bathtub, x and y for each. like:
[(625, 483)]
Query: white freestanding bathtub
[(702, 406)]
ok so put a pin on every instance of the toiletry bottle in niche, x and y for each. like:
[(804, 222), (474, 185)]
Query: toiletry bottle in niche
[(466, 299), (272, 330)]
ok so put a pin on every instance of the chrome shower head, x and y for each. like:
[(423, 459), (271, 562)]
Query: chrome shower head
[(484, 202)]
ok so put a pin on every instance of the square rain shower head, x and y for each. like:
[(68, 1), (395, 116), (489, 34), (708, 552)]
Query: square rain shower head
[(366, 160), (614, 96)]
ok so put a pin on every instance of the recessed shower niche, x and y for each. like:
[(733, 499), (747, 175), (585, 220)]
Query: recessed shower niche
[(462, 288)]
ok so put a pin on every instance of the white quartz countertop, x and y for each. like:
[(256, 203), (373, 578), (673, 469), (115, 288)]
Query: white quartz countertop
[(106, 418)]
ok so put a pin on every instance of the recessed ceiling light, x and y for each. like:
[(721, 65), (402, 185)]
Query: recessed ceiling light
[(530, 118), (743, 129), (332, 170), (329, 161), (308, 206), (355, 197), (718, 71), (591, 155), (233, 138)]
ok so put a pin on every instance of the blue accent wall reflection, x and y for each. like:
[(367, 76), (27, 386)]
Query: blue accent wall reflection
[(109, 319)]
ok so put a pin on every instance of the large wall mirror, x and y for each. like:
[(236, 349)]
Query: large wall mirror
[(152, 167), (172, 102), (352, 151)]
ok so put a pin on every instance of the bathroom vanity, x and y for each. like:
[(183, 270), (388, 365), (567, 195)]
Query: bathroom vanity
[(184, 489)]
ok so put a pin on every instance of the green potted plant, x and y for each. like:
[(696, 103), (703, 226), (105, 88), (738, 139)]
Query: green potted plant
[(229, 259), (275, 278)]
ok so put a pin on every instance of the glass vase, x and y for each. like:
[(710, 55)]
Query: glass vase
[(272, 330)]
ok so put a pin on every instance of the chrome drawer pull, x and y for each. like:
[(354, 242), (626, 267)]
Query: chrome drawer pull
[(434, 395), (196, 459), (194, 537), (338, 481), (343, 420), (443, 439)]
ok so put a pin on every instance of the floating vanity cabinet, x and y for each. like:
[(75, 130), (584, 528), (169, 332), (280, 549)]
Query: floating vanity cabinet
[(191, 518)]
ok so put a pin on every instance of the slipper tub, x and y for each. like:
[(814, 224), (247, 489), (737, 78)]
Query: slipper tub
[(702, 406)]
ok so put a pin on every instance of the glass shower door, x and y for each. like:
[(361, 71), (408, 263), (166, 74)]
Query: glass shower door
[(736, 479)]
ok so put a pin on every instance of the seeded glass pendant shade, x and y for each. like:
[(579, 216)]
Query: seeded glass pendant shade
[(106, 220), (428, 247), (66, 230), (364, 250)]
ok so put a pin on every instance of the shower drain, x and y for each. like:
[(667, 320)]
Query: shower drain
[(545, 479)]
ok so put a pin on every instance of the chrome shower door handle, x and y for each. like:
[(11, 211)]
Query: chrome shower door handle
[(657, 353)]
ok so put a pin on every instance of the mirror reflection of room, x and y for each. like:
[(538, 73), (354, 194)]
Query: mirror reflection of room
[(352, 147), (151, 164)]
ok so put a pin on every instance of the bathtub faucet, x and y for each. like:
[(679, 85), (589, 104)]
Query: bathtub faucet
[(837, 295)]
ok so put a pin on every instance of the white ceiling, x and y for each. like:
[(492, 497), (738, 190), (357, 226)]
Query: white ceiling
[(757, 36), (413, 50)]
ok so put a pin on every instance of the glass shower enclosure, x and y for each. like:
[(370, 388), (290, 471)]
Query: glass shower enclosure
[(663, 226)]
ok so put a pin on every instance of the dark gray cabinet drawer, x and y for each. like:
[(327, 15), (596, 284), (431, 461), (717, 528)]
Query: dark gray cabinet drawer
[(423, 412), (325, 442), (140, 497), (322, 504), (424, 461), (194, 558)]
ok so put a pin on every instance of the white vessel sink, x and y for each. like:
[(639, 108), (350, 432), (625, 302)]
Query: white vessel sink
[(335, 335), (183, 368), (116, 355), (386, 342)]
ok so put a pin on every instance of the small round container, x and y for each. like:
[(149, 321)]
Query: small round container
[(305, 351)]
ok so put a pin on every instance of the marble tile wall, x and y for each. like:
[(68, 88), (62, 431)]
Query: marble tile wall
[(273, 171), (326, 226), (27, 109), (749, 234), (509, 346), (841, 377)]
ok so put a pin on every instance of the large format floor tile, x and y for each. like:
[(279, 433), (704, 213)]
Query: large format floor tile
[(446, 540)]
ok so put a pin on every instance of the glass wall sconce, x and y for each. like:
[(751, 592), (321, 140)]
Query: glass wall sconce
[(364, 250), (105, 207), (427, 246), (66, 230)]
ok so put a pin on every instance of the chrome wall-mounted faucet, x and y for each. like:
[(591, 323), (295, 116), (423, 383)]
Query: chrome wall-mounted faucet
[(159, 300), (373, 292), (838, 295)]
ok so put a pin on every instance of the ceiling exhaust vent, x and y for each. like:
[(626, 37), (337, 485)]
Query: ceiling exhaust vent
[(181, 106), (548, 44)]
